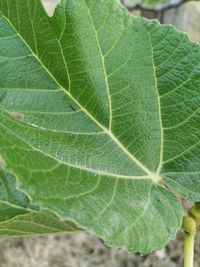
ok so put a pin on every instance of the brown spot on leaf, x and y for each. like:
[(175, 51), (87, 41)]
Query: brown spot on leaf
[(17, 116)]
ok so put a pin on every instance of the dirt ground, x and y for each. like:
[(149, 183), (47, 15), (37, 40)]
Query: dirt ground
[(85, 250)]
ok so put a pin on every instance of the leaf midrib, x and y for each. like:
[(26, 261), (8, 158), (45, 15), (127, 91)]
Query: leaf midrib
[(159, 111), (104, 69), (95, 172), (153, 176)]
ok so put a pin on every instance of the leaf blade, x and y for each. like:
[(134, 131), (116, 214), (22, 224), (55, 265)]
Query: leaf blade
[(102, 163)]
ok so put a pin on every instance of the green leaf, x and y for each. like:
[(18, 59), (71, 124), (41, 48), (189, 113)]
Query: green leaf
[(29, 223), (99, 117), (8, 191), (153, 3), (18, 218)]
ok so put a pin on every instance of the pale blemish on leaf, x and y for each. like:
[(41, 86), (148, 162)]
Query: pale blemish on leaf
[(17, 116)]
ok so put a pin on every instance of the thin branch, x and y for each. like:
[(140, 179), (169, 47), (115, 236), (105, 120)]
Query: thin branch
[(159, 8)]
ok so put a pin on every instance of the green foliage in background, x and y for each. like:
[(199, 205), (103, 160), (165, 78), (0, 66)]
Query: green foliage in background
[(99, 122), (154, 3)]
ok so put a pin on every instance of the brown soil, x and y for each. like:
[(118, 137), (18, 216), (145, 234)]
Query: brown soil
[(85, 250)]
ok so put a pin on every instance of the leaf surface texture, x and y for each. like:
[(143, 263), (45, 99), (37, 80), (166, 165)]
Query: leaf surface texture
[(100, 110)]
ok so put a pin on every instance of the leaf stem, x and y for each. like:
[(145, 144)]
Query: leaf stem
[(190, 224), (189, 250)]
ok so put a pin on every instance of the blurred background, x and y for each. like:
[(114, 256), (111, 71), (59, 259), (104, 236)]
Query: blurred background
[(84, 249), (183, 14)]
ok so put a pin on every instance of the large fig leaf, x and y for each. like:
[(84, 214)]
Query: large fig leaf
[(99, 117)]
